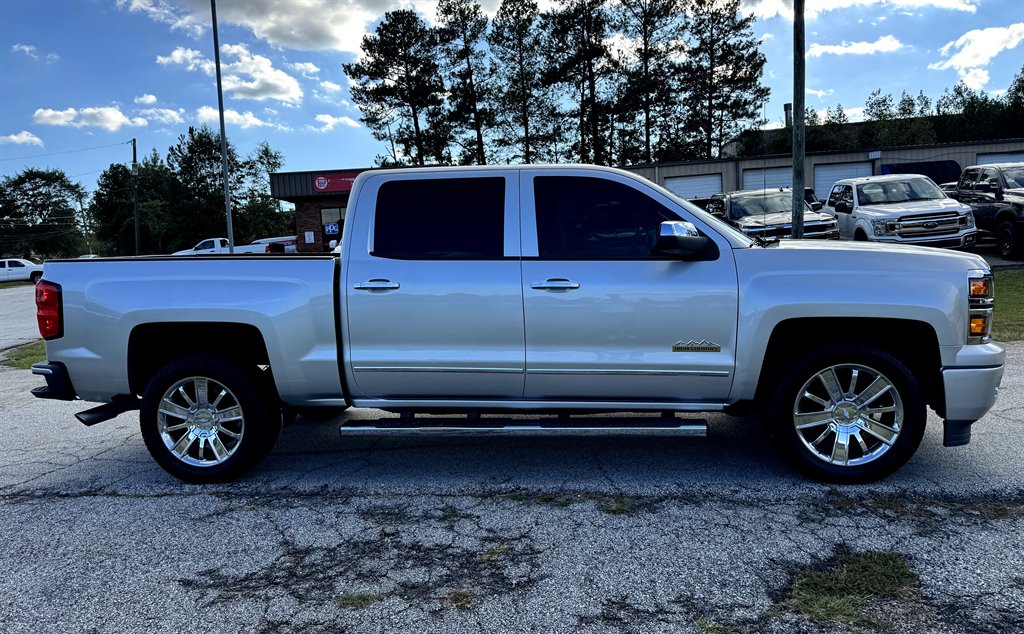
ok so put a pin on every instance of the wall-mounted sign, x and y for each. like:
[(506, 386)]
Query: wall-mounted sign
[(309, 237), (334, 182), (331, 229)]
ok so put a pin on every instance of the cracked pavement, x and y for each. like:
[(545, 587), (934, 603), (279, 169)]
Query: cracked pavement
[(490, 533)]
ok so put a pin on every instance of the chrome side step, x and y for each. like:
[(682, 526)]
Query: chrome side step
[(642, 426)]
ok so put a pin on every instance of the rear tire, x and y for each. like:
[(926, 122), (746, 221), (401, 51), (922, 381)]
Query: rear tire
[(1009, 239), (848, 413), (204, 419)]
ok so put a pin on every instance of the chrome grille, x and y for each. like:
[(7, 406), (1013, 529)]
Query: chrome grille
[(928, 225)]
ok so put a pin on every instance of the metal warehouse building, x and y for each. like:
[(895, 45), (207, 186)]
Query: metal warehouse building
[(943, 163)]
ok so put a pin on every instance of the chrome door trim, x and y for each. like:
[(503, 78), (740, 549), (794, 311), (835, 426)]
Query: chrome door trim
[(708, 373), (438, 369)]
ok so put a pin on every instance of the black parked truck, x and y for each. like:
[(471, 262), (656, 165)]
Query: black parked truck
[(996, 195)]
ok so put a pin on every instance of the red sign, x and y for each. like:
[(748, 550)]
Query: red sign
[(337, 182)]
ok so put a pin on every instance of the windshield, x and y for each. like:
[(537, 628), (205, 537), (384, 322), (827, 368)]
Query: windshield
[(901, 191), (704, 216), (775, 202), (1014, 177)]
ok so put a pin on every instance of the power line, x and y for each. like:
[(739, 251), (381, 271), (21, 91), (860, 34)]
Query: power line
[(85, 149)]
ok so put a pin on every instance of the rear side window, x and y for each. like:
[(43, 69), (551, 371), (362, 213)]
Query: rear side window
[(440, 219), (585, 218)]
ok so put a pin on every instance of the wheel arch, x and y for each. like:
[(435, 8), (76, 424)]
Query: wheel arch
[(913, 342), (153, 346)]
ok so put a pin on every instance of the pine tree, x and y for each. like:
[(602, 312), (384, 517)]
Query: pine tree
[(721, 75), (397, 83), (462, 27)]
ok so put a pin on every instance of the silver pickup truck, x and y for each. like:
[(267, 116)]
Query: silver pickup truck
[(530, 290)]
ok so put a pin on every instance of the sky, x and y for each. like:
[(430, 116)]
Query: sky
[(80, 78)]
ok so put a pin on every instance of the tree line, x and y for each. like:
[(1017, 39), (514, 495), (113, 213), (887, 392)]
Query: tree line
[(589, 81), (180, 200), (960, 114)]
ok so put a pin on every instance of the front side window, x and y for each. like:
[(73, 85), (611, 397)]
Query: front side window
[(833, 198), (205, 244), (440, 219), (17, 265), (989, 175), (586, 218), (1014, 177), (968, 179)]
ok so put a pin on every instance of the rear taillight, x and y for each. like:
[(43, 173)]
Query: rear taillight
[(48, 310)]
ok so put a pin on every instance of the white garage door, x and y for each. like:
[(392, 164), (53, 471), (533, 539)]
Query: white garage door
[(1010, 157), (768, 178), (690, 187), (825, 176)]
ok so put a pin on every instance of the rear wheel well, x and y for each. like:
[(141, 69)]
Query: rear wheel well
[(151, 347), (914, 343)]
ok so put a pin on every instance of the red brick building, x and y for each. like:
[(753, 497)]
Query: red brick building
[(320, 200)]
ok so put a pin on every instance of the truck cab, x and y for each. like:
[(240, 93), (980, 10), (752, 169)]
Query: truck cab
[(995, 193)]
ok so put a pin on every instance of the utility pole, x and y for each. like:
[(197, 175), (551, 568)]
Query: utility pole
[(223, 137), (798, 119), (135, 193)]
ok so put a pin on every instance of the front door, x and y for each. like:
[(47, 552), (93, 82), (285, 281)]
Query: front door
[(433, 285), (606, 320)]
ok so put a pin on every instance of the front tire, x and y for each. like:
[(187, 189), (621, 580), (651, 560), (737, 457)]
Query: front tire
[(35, 277), (1009, 239), (848, 413), (204, 420)]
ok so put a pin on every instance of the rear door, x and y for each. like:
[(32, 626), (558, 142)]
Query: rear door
[(606, 320), (433, 287)]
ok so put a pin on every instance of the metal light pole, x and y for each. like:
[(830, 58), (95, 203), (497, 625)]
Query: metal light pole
[(223, 136), (135, 194), (798, 119)]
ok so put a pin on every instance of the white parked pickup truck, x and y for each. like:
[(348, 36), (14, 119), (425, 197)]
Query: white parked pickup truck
[(900, 209), (490, 291), (220, 245)]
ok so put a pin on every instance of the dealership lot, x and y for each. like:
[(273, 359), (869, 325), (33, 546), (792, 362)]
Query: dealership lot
[(491, 533)]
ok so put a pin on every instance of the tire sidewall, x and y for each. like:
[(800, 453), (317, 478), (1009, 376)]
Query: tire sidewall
[(1012, 232), (259, 435), (796, 376)]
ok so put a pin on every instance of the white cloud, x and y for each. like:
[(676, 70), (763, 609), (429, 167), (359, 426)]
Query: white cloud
[(311, 25), (146, 100), (767, 36), (248, 76), (855, 114), (164, 12), (308, 70), (246, 119), (330, 86), (773, 125), (975, 49), (165, 116), (820, 94), (110, 118), (33, 52), (329, 122), (22, 138), (191, 59), (765, 9), (884, 44)]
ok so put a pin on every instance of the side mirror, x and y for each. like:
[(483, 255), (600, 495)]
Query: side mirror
[(816, 205), (680, 239), (843, 207)]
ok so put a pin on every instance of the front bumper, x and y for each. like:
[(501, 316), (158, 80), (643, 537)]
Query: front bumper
[(971, 390), (950, 242)]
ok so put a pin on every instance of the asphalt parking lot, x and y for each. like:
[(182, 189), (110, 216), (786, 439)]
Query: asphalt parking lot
[(492, 533)]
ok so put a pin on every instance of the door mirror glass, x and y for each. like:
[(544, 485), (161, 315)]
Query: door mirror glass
[(816, 206)]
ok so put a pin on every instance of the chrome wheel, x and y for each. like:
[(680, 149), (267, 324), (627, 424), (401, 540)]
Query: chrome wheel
[(200, 421), (848, 415)]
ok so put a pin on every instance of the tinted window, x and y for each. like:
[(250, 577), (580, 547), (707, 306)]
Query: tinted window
[(17, 264), (3, 264), (595, 219), (971, 175), (205, 244), (833, 198), (441, 219)]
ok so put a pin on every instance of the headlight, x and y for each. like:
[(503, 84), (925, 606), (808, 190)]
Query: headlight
[(883, 227), (981, 302), (968, 220)]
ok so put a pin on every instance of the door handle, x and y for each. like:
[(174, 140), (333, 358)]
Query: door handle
[(555, 284), (376, 285)]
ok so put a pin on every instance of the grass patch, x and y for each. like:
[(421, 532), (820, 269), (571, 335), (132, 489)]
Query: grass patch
[(23, 357), (13, 284), (460, 599), (839, 591), (357, 601), (494, 553), (1008, 319)]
